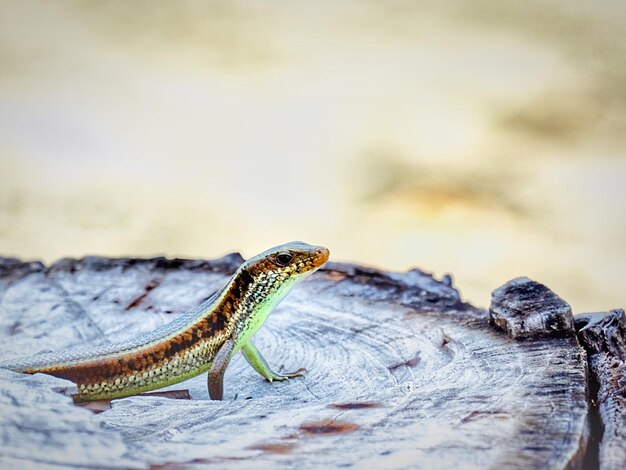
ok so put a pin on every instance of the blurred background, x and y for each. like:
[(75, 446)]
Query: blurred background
[(486, 139)]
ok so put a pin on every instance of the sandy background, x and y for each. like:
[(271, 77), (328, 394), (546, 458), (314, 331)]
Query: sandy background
[(485, 139)]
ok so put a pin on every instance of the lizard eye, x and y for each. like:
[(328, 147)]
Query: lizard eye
[(283, 258)]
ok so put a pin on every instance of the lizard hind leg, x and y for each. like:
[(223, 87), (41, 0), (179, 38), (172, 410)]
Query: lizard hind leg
[(258, 362), (215, 379)]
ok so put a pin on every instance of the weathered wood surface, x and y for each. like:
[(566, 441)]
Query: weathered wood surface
[(401, 374), (604, 337)]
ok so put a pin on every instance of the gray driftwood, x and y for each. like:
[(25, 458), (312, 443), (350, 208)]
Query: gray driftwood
[(401, 374)]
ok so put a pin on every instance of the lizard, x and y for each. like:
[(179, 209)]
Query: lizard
[(202, 340)]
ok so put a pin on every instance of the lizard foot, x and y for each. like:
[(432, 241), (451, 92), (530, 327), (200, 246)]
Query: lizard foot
[(288, 375)]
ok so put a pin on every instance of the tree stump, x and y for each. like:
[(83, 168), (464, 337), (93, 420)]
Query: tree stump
[(401, 374)]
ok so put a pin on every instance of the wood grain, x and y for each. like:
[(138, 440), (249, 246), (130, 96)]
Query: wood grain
[(401, 374)]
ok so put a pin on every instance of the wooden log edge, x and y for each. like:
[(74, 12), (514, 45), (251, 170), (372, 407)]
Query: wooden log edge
[(603, 335)]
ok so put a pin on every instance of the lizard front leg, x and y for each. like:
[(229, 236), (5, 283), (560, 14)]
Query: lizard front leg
[(256, 360)]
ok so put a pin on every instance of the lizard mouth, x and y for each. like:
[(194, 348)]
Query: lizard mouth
[(320, 256)]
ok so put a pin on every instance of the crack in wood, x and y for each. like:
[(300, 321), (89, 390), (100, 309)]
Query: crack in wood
[(149, 287)]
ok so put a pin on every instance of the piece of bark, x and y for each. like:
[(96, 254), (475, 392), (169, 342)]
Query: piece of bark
[(401, 374), (604, 337), (524, 308)]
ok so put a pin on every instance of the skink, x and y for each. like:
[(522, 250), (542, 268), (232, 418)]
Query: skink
[(203, 339)]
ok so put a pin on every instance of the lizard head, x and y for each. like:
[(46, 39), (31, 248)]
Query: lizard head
[(264, 280), (289, 262)]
